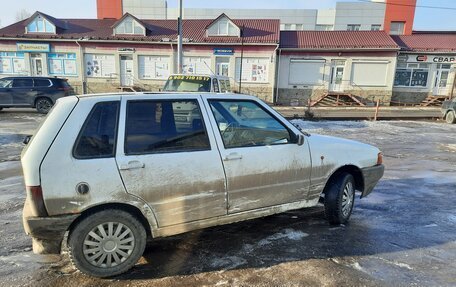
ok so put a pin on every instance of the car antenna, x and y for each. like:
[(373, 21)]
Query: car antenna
[(209, 68)]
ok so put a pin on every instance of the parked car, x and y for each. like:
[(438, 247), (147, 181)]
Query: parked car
[(449, 111), (197, 83), (36, 92), (113, 170)]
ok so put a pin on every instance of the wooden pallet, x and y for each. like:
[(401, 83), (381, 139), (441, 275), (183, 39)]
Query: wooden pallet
[(337, 100), (433, 101)]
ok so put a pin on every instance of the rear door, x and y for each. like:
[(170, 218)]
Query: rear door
[(23, 92), (168, 157), (263, 162)]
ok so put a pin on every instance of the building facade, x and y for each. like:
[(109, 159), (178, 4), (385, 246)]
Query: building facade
[(390, 15), (105, 55), (313, 64)]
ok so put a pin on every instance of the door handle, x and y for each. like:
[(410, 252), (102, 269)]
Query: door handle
[(134, 164), (233, 156)]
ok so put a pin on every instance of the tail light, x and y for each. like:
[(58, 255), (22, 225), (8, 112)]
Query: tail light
[(37, 201)]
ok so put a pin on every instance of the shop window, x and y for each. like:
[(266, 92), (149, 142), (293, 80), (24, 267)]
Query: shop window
[(254, 70), (40, 25), (62, 64), (154, 67), (397, 28), (129, 26), (353, 27), (413, 75), (12, 63), (100, 66), (197, 65)]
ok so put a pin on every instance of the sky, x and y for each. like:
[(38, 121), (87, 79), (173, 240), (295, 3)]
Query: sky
[(425, 18)]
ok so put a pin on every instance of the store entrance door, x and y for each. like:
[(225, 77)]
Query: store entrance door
[(36, 64), (441, 87), (222, 66), (337, 75), (126, 71)]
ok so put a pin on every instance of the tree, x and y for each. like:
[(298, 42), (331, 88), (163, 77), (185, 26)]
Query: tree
[(22, 14)]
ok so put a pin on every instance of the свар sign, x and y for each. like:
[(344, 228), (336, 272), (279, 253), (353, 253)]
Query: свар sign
[(435, 59)]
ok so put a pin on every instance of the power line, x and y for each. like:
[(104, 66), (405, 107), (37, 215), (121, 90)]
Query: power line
[(408, 5)]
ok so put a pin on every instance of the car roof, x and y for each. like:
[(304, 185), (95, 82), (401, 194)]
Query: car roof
[(201, 75), (176, 95), (32, 77)]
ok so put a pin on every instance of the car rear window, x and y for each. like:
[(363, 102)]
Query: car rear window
[(97, 138), (42, 83), (161, 126), (21, 83)]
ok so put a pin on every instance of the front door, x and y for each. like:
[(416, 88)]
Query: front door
[(263, 165), (23, 92), (441, 87), (6, 98), (222, 66), (37, 64), (166, 157), (126, 71), (337, 75)]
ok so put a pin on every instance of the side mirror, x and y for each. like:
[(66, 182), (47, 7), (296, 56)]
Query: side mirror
[(27, 139), (300, 139)]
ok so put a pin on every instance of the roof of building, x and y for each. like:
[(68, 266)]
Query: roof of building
[(336, 40), (264, 31), (427, 42)]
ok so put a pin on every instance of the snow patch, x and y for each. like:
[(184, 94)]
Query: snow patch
[(357, 266), (228, 262), (288, 234), (452, 218)]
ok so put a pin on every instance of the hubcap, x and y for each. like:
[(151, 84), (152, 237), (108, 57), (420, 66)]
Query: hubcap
[(347, 199), (43, 105), (108, 244)]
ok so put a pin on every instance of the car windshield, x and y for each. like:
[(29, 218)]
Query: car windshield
[(188, 84), (4, 83)]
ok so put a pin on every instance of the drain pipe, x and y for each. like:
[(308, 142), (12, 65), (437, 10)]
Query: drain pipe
[(81, 63), (276, 96)]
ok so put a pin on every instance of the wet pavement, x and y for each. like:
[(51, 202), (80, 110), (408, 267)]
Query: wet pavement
[(403, 234)]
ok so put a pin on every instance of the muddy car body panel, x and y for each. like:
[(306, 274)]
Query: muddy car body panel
[(234, 159)]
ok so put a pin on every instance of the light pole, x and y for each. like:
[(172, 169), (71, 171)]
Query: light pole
[(179, 39)]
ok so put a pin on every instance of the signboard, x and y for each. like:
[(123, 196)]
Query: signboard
[(432, 58), (33, 47), (223, 51), (130, 50)]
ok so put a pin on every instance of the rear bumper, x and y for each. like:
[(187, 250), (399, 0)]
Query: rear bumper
[(371, 177), (47, 232)]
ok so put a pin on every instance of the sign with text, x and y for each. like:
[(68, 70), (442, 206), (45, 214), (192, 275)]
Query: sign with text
[(33, 47), (223, 51), (432, 58)]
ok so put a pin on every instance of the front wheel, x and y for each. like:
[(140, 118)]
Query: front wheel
[(43, 105), (450, 117), (340, 198), (107, 243)]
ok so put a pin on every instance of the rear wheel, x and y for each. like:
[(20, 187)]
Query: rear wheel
[(43, 105), (450, 117), (340, 198), (107, 243)]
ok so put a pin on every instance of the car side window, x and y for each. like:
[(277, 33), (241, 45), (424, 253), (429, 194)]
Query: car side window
[(97, 138), (42, 83), (246, 124), (163, 126), (22, 83), (216, 85), (5, 83)]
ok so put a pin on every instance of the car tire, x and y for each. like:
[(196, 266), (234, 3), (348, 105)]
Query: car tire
[(339, 198), (450, 117), (43, 105), (107, 243)]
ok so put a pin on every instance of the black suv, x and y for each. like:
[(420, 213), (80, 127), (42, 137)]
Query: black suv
[(37, 92), (449, 111)]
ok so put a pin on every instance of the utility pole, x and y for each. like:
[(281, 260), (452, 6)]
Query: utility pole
[(179, 39)]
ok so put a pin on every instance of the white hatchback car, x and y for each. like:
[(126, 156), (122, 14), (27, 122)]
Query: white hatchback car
[(115, 169)]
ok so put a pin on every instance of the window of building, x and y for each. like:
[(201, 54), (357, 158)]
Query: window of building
[(130, 26), (376, 27), (369, 73), (254, 70), (12, 63), (40, 25), (100, 65), (397, 28), (245, 124), (299, 27), (353, 27), (62, 64), (154, 67), (97, 138), (223, 27), (411, 75), (287, 26), (323, 27), (197, 65), (306, 72), (162, 126)]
